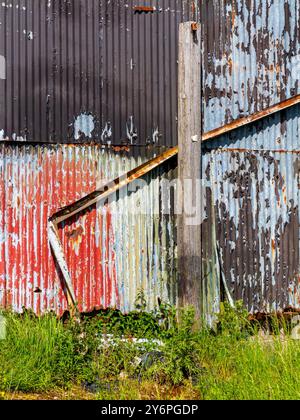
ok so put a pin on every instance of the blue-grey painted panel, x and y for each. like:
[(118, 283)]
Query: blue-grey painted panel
[(90, 70), (251, 56), (253, 184)]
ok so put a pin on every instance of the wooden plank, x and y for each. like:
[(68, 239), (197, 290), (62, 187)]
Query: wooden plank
[(189, 165)]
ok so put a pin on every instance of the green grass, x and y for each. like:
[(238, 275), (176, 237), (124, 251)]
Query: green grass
[(38, 354), (43, 355), (251, 370)]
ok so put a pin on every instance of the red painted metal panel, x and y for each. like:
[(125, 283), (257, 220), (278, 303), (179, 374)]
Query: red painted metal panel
[(37, 181)]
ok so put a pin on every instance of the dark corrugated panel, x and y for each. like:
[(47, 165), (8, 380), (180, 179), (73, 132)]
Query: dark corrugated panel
[(83, 70), (251, 56), (90, 70)]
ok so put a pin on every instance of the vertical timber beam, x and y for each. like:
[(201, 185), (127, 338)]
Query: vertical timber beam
[(189, 162)]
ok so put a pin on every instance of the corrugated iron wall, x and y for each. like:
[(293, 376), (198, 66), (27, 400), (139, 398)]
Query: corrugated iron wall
[(90, 70), (95, 70), (253, 199), (85, 71), (251, 232), (113, 250), (251, 56)]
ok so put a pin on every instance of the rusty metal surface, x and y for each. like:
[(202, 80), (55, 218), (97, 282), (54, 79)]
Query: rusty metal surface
[(246, 121), (106, 71), (252, 182), (251, 55), (90, 70), (103, 195), (112, 252), (84, 71), (251, 230)]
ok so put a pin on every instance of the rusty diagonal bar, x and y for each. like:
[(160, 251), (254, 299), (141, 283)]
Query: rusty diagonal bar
[(113, 186), (87, 202)]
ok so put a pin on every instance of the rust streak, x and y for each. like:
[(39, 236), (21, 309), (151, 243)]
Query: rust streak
[(195, 26)]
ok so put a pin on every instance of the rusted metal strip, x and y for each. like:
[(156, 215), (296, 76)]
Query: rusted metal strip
[(85, 203), (58, 251), (252, 118), (138, 172), (113, 186)]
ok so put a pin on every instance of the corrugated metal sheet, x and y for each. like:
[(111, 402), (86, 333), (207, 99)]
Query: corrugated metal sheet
[(251, 56), (251, 231), (90, 70), (112, 250), (253, 200), (80, 71), (93, 70)]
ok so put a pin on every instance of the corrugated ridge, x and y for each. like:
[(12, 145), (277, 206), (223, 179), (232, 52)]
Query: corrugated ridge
[(84, 70)]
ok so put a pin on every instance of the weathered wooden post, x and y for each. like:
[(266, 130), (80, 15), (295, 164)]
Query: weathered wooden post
[(189, 160)]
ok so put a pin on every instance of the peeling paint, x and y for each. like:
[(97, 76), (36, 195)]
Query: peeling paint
[(254, 200), (84, 124), (260, 42), (75, 59)]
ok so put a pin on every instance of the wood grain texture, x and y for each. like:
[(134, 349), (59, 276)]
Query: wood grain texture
[(189, 161)]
